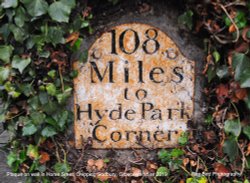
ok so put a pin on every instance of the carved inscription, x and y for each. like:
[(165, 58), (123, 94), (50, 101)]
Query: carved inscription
[(135, 90)]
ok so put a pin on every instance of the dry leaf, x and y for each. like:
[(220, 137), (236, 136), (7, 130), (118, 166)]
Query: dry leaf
[(220, 169), (193, 163), (103, 177), (144, 8), (248, 149), (241, 47), (86, 12), (182, 181), (222, 92), (136, 172), (100, 164), (241, 93), (185, 161), (209, 136), (72, 38), (14, 110), (151, 166), (91, 162), (244, 34), (44, 157), (71, 143), (196, 148), (231, 28)]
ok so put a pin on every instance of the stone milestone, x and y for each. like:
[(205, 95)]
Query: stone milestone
[(136, 90)]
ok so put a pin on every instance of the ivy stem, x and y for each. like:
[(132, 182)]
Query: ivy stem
[(236, 110), (57, 153), (232, 21), (243, 158), (64, 153), (61, 78), (15, 116)]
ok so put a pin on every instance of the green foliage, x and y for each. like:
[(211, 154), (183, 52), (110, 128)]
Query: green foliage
[(241, 64), (9, 3), (162, 172), (29, 129), (51, 89), (49, 131), (5, 53), (172, 158), (36, 7), (62, 167), (20, 63), (216, 56), (202, 179), (209, 119), (246, 131), (240, 20), (60, 10), (233, 127), (183, 139), (32, 33), (4, 74), (186, 19), (15, 159), (222, 72), (230, 147), (32, 152)]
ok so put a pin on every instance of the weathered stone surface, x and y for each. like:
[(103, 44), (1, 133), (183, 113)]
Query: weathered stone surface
[(5, 171), (135, 91)]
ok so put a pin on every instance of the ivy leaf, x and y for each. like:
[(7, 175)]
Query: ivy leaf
[(5, 31), (29, 129), (60, 10), (186, 19), (63, 119), (51, 89), (52, 74), (240, 63), (233, 127), (49, 131), (4, 74), (11, 89), (164, 156), (11, 158), (20, 17), (62, 97), (183, 139), (245, 78), (230, 147), (5, 53), (62, 167), (177, 153), (222, 71), (34, 102), (32, 152), (55, 35), (211, 73), (37, 117), (68, 3), (246, 131), (36, 7), (216, 56), (162, 172), (9, 3), (20, 63), (202, 179), (19, 33)]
